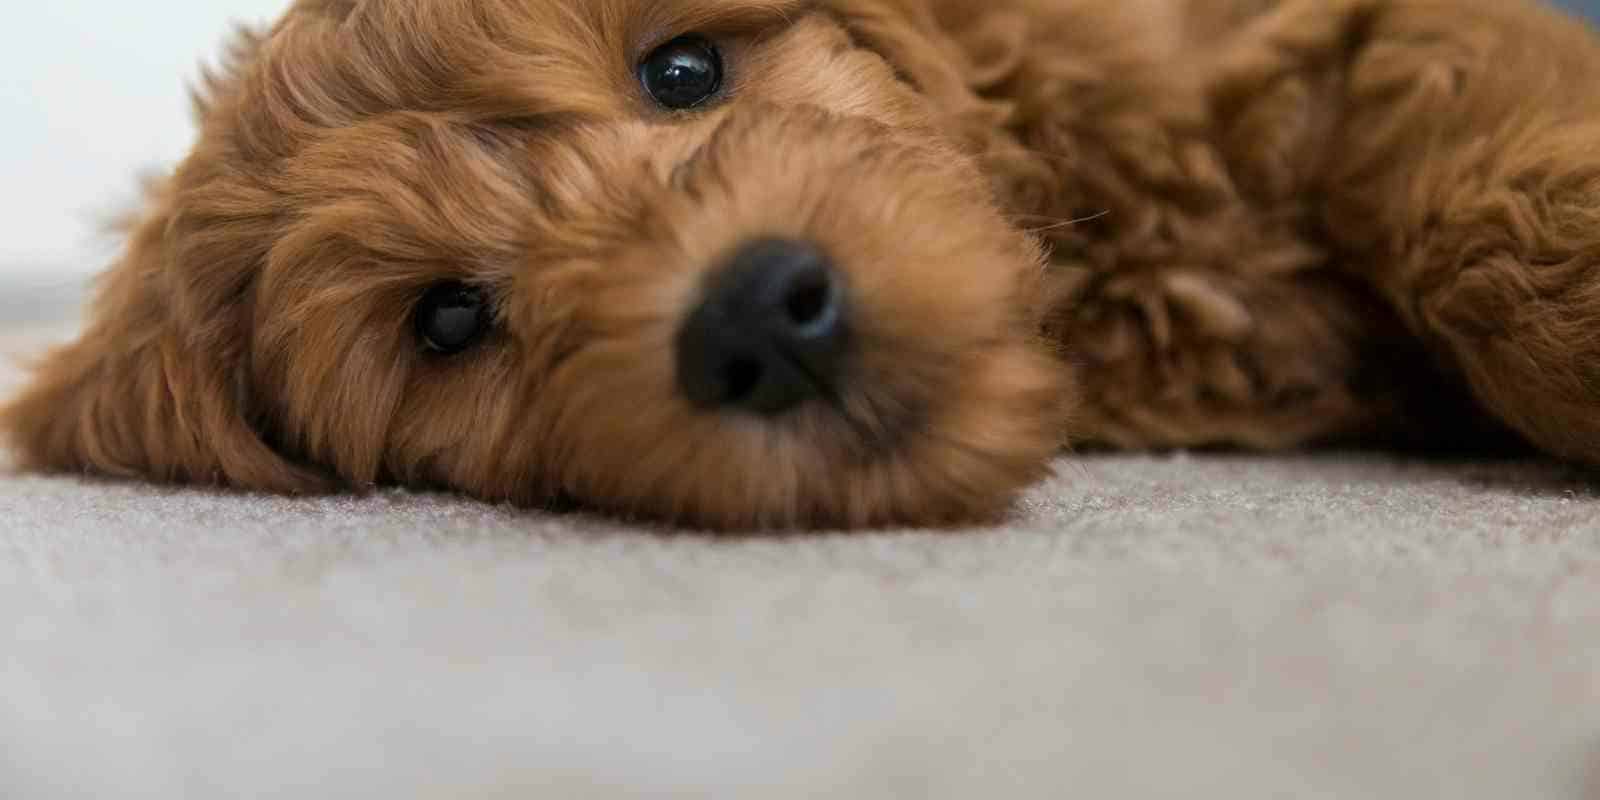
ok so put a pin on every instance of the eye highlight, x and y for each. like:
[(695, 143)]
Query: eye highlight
[(682, 73), (451, 317)]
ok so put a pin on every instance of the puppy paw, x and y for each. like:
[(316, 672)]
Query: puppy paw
[(1190, 358)]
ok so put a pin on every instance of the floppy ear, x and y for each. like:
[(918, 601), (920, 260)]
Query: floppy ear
[(967, 59), (155, 387), (950, 51)]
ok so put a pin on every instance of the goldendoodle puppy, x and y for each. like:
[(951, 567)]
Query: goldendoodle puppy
[(769, 263)]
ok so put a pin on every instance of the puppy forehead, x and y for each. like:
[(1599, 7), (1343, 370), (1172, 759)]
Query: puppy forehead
[(332, 61), (546, 19)]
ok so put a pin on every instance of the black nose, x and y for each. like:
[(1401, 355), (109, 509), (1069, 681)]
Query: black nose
[(768, 334)]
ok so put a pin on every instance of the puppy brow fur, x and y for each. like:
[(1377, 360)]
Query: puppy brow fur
[(1297, 221)]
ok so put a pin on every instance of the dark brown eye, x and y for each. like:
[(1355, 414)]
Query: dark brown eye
[(452, 317), (682, 73)]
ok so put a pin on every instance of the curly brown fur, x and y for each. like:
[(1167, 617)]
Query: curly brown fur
[(1268, 223)]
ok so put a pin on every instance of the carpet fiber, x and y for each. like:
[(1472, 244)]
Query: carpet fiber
[(1312, 626)]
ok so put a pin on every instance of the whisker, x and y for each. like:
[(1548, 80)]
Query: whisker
[(1057, 224)]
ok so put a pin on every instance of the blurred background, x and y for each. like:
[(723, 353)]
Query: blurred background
[(94, 93)]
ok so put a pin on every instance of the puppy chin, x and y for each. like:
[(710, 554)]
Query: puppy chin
[(707, 392)]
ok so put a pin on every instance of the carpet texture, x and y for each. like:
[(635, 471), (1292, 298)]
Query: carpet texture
[(1234, 627)]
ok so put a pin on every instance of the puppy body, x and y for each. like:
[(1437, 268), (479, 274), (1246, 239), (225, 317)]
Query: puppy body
[(1262, 223)]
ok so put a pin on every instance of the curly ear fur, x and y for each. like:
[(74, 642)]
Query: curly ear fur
[(1074, 109), (156, 387), (151, 389), (962, 59)]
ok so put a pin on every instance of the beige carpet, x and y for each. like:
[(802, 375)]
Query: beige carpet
[(1230, 627)]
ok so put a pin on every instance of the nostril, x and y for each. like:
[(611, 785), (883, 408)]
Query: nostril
[(809, 299)]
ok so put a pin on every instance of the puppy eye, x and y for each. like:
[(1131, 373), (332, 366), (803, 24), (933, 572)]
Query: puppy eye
[(682, 73), (451, 317)]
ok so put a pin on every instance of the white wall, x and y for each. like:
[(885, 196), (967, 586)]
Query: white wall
[(91, 93)]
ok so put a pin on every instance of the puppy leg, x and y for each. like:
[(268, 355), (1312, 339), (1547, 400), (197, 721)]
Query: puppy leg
[(1188, 358), (1470, 181), (1508, 288)]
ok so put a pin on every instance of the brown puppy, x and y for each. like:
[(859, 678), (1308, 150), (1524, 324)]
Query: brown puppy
[(752, 263)]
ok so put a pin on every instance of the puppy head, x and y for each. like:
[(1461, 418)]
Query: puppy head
[(713, 261)]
